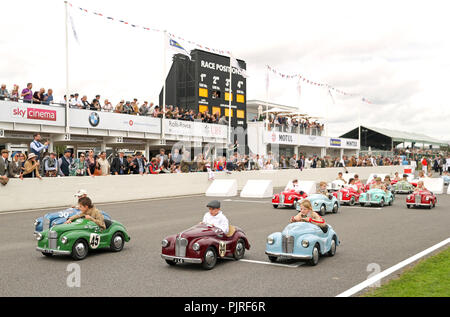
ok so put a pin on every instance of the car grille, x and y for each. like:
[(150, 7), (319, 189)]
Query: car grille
[(417, 199), (281, 199), (180, 247), (340, 196), (52, 237), (287, 244), (369, 197)]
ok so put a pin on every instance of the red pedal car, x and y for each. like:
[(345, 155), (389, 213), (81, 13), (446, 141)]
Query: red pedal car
[(423, 198), (347, 195), (204, 244), (288, 198)]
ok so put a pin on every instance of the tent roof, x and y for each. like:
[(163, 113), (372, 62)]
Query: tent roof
[(401, 136)]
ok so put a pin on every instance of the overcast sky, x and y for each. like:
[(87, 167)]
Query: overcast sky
[(395, 53)]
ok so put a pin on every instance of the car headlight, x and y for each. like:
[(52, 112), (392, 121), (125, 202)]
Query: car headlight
[(427, 198), (305, 243), (196, 246), (38, 236), (288, 198), (165, 243), (36, 222), (270, 240), (274, 197), (64, 240), (316, 204)]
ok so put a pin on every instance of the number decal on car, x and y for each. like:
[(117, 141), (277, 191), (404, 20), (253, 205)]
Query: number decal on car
[(63, 214), (94, 240)]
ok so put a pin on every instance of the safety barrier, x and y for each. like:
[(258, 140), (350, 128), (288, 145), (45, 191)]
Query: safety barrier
[(58, 192)]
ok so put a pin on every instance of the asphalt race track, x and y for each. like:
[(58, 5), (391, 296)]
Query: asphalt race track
[(384, 236)]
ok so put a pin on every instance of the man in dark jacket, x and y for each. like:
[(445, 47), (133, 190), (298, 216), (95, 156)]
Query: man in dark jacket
[(119, 165), (301, 163)]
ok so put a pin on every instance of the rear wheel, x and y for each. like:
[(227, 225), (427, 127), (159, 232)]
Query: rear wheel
[(323, 210), (335, 208), (80, 249), (315, 256), (117, 242), (332, 251), (239, 251), (210, 258)]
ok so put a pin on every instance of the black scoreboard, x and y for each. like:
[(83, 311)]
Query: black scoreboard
[(203, 83)]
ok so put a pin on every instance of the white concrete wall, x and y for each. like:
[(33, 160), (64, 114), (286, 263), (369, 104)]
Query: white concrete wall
[(58, 192)]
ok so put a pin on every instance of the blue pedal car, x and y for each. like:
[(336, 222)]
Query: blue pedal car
[(302, 241), (322, 204), (56, 218), (376, 197)]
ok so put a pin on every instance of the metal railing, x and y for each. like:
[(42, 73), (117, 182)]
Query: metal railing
[(296, 129)]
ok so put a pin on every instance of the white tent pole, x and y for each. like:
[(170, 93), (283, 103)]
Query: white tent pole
[(267, 99), (67, 66), (229, 106), (164, 86)]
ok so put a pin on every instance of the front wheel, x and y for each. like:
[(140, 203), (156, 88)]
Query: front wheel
[(335, 208), (382, 202), (209, 259), (332, 251), (315, 256), (239, 251), (408, 206), (273, 258), (170, 262), (352, 201), (80, 249), (47, 254), (323, 210), (275, 206)]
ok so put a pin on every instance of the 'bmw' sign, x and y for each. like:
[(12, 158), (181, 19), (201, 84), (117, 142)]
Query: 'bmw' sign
[(94, 119)]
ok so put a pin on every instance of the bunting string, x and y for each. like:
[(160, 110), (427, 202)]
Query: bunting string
[(222, 52)]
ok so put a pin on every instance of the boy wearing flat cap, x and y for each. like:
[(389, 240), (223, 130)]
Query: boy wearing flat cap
[(215, 217)]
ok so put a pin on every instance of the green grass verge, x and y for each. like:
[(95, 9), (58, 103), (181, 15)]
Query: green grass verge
[(429, 278)]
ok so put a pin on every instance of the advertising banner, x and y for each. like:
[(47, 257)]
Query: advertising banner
[(31, 113), (312, 140), (198, 129), (276, 137), (113, 121)]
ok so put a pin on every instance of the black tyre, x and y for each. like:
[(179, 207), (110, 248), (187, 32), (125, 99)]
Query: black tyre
[(239, 251), (352, 201), (333, 247), (391, 201), (117, 242), (272, 258), (335, 208), (47, 254), (80, 250), (275, 206), (382, 202), (315, 256), (210, 258), (322, 210), (170, 262), (408, 206)]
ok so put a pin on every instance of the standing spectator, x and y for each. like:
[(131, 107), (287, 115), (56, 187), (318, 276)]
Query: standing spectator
[(14, 96), (119, 107), (80, 166), (3, 92), (51, 166), (143, 110), (31, 167), (293, 161), (139, 165), (104, 164), (135, 107), (127, 108), (27, 94), (38, 96), (4, 167), (48, 97), (36, 146), (91, 163), (119, 164), (129, 167), (108, 107), (161, 157), (74, 102), (153, 167), (95, 105), (65, 163), (15, 170), (176, 157), (424, 165), (97, 99), (85, 103)]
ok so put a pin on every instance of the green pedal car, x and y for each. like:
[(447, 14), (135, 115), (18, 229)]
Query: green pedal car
[(80, 236)]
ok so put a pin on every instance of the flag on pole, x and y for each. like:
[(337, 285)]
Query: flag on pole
[(235, 64), (177, 47), (75, 35)]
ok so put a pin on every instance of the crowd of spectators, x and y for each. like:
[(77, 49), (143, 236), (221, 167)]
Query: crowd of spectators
[(292, 124), (44, 97)]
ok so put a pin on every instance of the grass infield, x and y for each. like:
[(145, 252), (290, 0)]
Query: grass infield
[(429, 278)]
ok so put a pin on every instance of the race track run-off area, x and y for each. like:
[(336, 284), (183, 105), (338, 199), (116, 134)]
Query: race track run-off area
[(372, 240)]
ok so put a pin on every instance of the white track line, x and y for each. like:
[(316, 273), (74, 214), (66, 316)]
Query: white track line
[(270, 263), (102, 204), (356, 207), (392, 269)]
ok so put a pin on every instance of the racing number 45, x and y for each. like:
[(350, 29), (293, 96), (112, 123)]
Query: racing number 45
[(94, 240)]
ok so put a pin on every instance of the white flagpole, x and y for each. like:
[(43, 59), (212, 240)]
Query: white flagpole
[(163, 136), (267, 99), (229, 106), (359, 128), (67, 68)]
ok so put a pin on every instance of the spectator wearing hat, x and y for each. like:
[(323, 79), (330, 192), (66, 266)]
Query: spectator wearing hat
[(15, 170), (31, 167), (65, 163), (4, 167), (78, 195), (119, 164), (215, 217), (51, 166)]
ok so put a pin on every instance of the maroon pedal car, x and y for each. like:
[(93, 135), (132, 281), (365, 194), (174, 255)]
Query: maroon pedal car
[(288, 198), (204, 244), (423, 198), (347, 195)]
